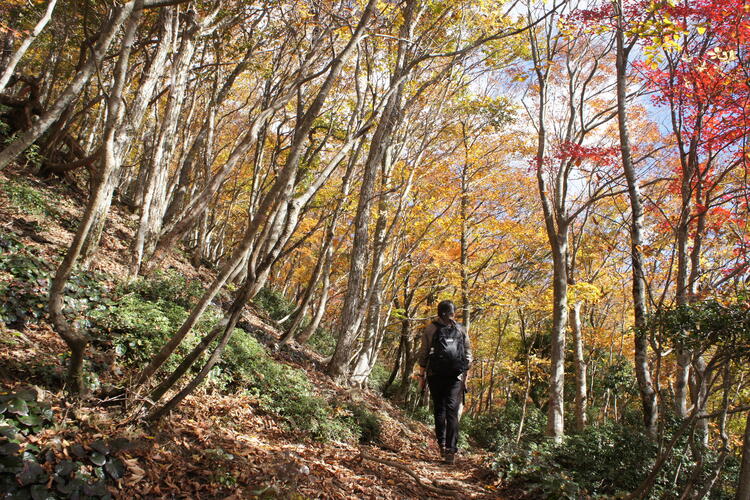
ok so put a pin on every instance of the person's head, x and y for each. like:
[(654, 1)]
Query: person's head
[(446, 309)]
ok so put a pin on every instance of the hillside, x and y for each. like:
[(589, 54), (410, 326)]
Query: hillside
[(218, 443)]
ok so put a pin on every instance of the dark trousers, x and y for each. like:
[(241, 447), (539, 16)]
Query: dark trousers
[(447, 395)]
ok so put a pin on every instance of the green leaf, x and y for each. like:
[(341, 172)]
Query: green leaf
[(98, 458), (40, 492), (114, 468), (18, 406), (32, 473), (31, 420), (64, 468), (100, 446)]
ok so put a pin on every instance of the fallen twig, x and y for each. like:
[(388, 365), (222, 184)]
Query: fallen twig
[(428, 487)]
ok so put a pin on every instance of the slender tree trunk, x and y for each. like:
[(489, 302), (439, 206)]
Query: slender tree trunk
[(320, 310), (108, 32), (76, 339), (581, 393), (126, 131), (10, 67), (155, 192), (228, 322), (405, 332), (277, 195), (464, 208), (642, 372)]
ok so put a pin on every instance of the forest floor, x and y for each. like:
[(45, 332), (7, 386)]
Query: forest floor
[(214, 445)]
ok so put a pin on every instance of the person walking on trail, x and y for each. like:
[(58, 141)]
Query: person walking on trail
[(445, 356)]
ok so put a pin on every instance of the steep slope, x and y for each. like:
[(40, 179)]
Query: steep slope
[(218, 443)]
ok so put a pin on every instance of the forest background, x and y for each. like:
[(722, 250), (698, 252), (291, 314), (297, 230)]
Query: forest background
[(574, 176)]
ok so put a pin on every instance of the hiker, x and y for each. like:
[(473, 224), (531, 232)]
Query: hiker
[(445, 357)]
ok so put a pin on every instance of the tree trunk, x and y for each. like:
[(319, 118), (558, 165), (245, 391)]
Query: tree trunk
[(405, 332), (228, 322), (642, 372), (10, 67), (556, 410), (465, 304), (743, 485), (76, 339), (155, 192), (25, 139), (320, 310), (127, 129), (581, 393), (278, 194)]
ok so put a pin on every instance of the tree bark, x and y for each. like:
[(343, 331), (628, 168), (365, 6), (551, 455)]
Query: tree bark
[(642, 372), (155, 192), (351, 314), (127, 128), (277, 196), (581, 393), (117, 17), (77, 340), (743, 484), (10, 67)]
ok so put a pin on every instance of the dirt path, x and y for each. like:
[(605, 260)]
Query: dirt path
[(426, 476)]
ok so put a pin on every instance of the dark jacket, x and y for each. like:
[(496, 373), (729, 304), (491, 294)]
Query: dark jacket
[(427, 333)]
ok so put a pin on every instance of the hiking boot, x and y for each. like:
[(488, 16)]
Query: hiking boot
[(442, 451), (450, 457)]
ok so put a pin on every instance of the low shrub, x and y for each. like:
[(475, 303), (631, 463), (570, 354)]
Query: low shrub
[(363, 422), (280, 389), (274, 303), (378, 377), (498, 430), (138, 327), (25, 290), (604, 461), (322, 341), (26, 198), (168, 286)]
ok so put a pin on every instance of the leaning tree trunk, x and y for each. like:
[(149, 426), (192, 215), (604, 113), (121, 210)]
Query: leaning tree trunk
[(320, 310), (117, 17), (228, 322), (76, 339), (127, 129), (155, 193), (19, 53), (277, 195), (352, 309)]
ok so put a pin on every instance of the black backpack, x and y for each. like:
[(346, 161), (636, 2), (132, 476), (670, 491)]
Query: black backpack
[(448, 353)]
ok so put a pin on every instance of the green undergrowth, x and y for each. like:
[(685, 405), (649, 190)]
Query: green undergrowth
[(144, 314), (24, 285), (27, 199), (278, 307), (606, 460), (28, 471), (287, 392), (132, 321)]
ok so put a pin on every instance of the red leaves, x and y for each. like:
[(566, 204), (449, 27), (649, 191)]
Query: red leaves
[(598, 156)]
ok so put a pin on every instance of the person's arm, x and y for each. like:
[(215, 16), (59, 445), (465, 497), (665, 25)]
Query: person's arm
[(424, 351)]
